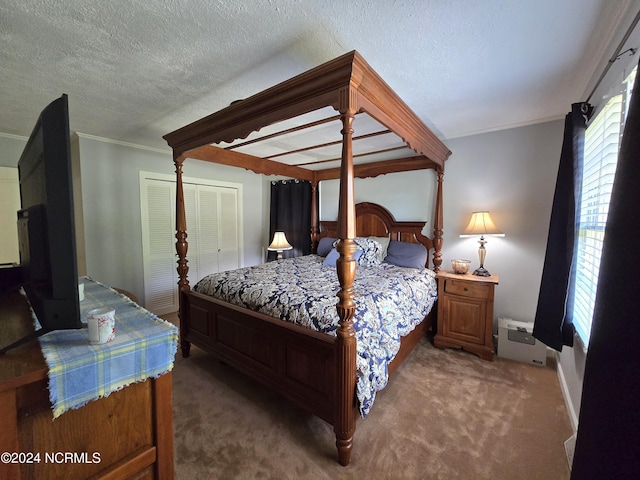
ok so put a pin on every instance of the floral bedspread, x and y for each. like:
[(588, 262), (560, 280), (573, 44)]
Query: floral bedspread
[(390, 302)]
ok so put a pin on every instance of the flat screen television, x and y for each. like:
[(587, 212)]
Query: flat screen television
[(48, 269)]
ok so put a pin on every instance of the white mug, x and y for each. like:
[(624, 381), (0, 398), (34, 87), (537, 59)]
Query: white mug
[(101, 325)]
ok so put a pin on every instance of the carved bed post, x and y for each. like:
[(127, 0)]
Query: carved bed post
[(344, 423), (438, 224), (181, 248), (314, 216)]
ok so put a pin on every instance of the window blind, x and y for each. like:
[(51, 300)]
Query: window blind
[(602, 142), (600, 160)]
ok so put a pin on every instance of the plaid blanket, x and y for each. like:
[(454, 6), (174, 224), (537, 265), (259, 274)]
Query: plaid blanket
[(144, 347)]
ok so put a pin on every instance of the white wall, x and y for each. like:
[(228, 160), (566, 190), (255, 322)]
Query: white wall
[(111, 207), (512, 174), (407, 195), (9, 205), (11, 147)]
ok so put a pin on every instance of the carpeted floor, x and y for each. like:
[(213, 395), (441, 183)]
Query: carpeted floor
[(445, 415)]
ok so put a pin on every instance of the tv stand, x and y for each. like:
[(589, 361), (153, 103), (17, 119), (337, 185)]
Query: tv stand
[(23, 340), (128, 434)]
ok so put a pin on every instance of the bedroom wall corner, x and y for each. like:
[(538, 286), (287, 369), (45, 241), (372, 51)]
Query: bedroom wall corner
[(81, 254)]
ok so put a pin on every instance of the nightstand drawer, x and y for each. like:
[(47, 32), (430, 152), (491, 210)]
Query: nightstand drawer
[(467, 289)]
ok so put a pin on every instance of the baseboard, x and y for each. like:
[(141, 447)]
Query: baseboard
[(573, 416)]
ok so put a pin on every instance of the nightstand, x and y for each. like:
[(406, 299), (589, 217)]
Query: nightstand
[(465, 313)]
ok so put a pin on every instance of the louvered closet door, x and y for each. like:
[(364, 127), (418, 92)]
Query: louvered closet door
[(160, 276), (229, 254), (217, 229), (208, 227), (212, 234)]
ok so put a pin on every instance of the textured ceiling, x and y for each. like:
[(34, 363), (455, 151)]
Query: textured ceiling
[(135, 70)]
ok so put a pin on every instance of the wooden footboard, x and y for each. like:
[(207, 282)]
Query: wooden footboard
[(294, 361), (313, 370)]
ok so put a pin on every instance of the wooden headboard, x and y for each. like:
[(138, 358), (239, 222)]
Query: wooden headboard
[(375, 220)]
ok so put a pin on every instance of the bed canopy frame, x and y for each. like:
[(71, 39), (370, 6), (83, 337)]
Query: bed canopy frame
[(304, 128)]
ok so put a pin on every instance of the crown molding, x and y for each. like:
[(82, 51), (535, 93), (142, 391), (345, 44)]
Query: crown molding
[(124, 144)]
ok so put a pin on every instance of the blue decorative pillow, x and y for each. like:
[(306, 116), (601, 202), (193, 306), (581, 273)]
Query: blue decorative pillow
[(333, 255), (371, 251), (406, 254), (325, 245)]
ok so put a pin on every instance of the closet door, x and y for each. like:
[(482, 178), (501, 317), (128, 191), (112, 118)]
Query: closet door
[(228, 242), (158, 233), (217, 230), (207, 230), (212, 234)]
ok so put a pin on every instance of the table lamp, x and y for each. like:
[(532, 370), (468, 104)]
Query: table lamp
[(481, 224), (279, 244)]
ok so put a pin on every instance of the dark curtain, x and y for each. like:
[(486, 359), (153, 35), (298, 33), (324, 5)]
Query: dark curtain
[(553, 326), (608, 442), (291, 214)]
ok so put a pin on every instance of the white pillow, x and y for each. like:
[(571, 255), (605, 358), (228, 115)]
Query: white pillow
[(384, 241)]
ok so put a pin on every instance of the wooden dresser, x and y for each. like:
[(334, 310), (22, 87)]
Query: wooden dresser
[(128, 434), (465, 313)]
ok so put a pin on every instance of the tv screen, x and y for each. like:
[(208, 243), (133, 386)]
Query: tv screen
[(46, 232)]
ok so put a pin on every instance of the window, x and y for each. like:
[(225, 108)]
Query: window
[(601, 146)]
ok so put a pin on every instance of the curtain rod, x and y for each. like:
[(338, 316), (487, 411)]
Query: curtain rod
[(617, 54)]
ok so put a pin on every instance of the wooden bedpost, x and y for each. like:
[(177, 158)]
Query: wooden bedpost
[(181, 248), (438, 224), (344, 423), (314, 216)]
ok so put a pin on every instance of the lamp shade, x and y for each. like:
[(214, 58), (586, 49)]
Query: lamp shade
[(481, 224), (279, 243)]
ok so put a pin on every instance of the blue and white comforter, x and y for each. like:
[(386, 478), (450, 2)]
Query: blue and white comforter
[(390, 302)]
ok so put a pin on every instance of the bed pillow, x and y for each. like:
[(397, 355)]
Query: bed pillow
[(333, 255), (406, 254), (384, 242), (371, 251), (325, 245)]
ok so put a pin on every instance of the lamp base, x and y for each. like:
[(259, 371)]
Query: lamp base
[(481, 272)]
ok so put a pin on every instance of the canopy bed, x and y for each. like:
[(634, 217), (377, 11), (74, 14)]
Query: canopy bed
[(339, 120)]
